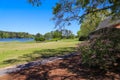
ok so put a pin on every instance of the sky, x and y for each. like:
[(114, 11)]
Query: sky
[(20, 16)]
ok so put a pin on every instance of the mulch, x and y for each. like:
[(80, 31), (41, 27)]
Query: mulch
[(64, 69)]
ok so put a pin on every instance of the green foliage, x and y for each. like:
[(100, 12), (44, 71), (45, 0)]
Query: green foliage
[(5, 34), (35, 2), (67, 11), (55, 39), (48, 36), (83, 38), (59, 34), (56, 34), (67, 34), (90, 23), (103, 50), (39, 37), (57, 8)]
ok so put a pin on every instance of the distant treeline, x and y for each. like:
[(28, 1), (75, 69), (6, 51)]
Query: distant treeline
[(55, 35), (6, 34)]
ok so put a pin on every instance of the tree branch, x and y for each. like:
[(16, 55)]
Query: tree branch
[(108, 7)]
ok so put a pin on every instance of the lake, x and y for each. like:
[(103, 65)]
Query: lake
[(16, 39)]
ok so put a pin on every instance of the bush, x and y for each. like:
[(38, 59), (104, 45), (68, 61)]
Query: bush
[(55, 39), (102, 51), (83, 38), (39, 39)]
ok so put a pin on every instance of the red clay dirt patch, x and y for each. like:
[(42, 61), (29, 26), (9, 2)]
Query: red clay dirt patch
[(66, 69)]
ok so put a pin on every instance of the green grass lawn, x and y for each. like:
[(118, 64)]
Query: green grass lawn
[(14, 53)]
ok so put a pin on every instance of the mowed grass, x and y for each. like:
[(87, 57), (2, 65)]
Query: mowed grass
[(14, 53)]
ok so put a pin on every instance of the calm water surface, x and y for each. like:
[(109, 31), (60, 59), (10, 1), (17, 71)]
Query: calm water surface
[(16, 39)]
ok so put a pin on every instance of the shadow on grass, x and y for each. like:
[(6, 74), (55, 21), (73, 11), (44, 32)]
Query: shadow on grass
[(11, 61), (66, 69), (46, 53), (40, 54), (72, 64)]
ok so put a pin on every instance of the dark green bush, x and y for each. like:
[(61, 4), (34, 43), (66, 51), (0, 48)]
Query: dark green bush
[(39, 39), (103, 50), (83, 38)]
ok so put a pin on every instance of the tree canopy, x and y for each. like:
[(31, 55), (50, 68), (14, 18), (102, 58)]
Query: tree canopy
[(66, 11), (35, 2), (91, 22), (6, 34), (55, 35)]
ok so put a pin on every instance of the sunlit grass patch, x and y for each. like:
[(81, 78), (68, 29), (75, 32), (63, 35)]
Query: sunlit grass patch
[(13, 53)]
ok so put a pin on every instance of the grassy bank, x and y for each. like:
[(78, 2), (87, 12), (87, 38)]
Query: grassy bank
[(12, 53)]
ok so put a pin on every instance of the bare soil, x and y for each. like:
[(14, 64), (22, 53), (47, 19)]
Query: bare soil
[(64, 69)]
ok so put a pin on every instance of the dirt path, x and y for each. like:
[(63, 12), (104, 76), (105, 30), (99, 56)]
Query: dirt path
[(31, 64), (60, 68), (7, 70), (25, 66)]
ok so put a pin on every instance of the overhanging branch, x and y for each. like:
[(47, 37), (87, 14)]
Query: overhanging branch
[(101, 9)]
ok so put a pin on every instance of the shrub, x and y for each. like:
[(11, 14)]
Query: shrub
[(82, 38), (102, 51), (39, 39)]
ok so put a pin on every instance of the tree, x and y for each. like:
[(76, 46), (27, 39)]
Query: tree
[(78, 33), (35, 2), (39, 37), (6, 34), (48, 36), (66, 11), (91, 22), (67, 34), (57, 34)]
